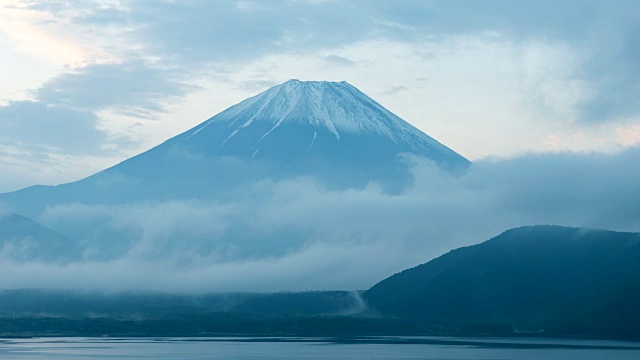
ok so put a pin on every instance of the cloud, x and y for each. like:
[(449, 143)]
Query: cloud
[(629, 135), (43, 128), (257, 85), (566, 189), (63, 118), (336, 60), (130, 86), (321, 266), (298, 235), (197, 34), (615, 74), (395, 89)]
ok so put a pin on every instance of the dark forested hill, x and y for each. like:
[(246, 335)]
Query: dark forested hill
[(557, 279)]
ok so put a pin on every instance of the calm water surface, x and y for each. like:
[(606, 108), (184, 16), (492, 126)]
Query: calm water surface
[(316, 348)]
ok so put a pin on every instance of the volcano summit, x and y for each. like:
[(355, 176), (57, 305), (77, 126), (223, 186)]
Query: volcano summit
[(310, 119)]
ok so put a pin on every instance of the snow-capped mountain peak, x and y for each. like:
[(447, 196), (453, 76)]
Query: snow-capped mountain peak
[(337, 107)]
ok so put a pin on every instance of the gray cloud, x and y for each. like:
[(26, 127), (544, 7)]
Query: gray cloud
[(211, 30), (257, 85), (63, 118), (615, 72), (395, 89), (42, 128), (128, 86), (197, 33), (336, 60)]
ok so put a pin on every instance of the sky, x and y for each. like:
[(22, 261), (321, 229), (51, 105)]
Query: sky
[(87, 84)]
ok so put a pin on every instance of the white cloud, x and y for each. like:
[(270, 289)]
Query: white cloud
[(629, 134), (30, 32)]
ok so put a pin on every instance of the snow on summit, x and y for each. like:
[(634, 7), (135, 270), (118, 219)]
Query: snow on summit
[(337, 107)]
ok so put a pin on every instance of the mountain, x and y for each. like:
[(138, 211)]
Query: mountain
[(313, 121), (561, 280), (328, 130), (24, 239)]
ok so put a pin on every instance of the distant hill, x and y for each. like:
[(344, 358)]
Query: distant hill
[(552, 279), (24, 239)]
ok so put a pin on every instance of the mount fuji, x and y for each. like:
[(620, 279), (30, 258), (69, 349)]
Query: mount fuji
[(328, 132), (314, 120)]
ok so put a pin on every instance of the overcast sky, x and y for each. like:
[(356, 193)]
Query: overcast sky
[(86, 84)]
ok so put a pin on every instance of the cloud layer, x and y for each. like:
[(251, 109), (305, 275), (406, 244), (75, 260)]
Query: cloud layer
[(201, 33), (297, 235)]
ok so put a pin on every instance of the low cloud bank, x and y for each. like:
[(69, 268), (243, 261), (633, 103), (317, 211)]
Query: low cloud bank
[(297, 235)]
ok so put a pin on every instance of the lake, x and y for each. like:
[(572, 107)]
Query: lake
[(317, 348)]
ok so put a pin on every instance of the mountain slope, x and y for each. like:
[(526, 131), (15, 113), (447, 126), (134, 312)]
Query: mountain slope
[(24, 239), (330, 131), (542, 277)]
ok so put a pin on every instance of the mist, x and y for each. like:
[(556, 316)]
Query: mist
[(297, 234)]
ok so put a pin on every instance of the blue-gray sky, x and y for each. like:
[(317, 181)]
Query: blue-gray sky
[(86, 84)]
